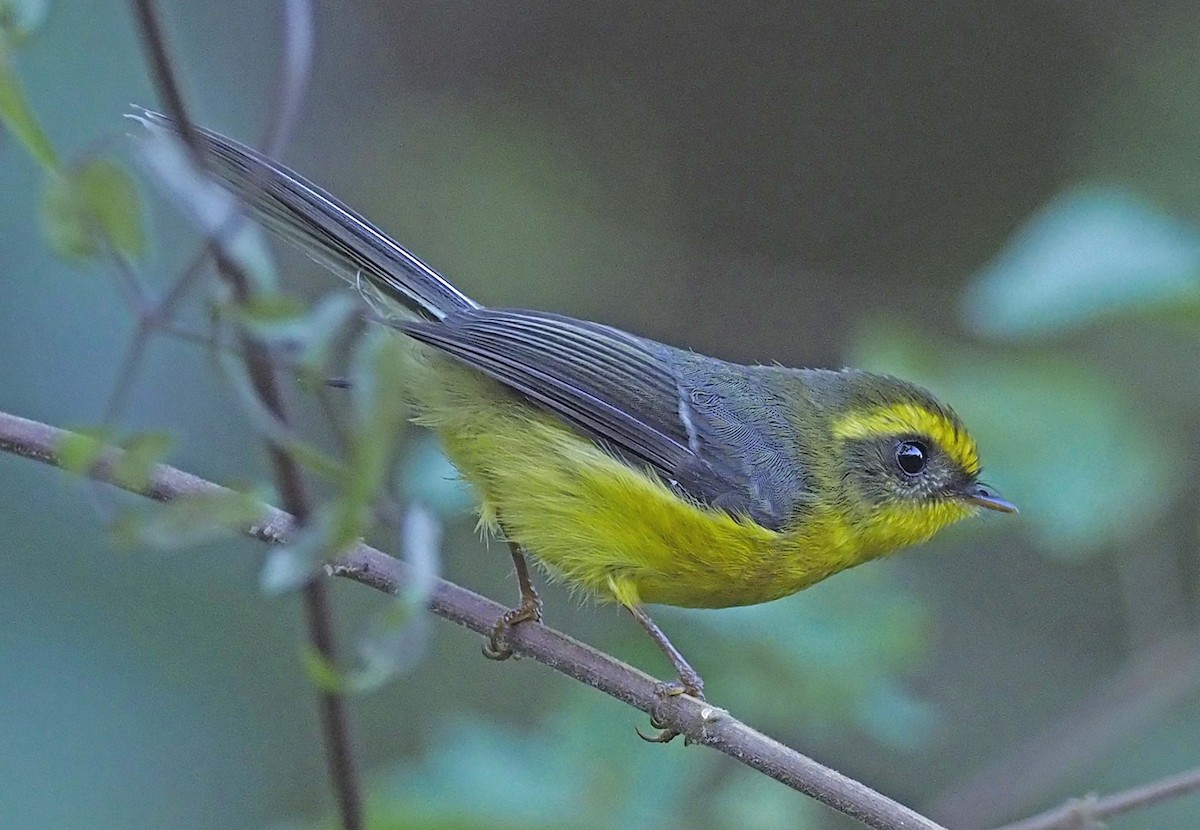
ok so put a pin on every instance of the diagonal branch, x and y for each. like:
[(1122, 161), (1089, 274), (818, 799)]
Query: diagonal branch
[(700, 722), (1120, 706), (1091, 811)]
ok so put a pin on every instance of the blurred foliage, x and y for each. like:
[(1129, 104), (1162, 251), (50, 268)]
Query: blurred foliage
[(192, 520), (1089, 256), (834, 660), (19, 119), (573, 770), (753, 185), (89, 206), (20, 19)]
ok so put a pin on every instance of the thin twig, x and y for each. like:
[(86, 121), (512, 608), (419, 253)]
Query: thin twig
[(289, 479), (291, 78), (1082, 813), (700, 722), (150, 318), (1150, 683)]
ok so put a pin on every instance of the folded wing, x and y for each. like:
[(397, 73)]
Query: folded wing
[(623, 391)]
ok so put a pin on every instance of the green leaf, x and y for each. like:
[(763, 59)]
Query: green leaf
[(198, 518), (379, 409), (125, 531), (267, 311), (325, 675), (65, 221), (142, 451), (108, 193), (21, 18), (1090, 254), (19, 120), (282, 321), (396, 638), (88, 205), (79, 451), (290, 567)]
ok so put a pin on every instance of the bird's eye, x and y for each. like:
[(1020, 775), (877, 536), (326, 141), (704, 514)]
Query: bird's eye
[(911, 456)]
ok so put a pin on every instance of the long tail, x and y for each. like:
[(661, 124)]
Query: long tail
[(324, 227)]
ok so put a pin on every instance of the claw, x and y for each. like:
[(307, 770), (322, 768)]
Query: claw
[(664, 736), (496, 647), (493, 649), (693, 687), (675, 688)]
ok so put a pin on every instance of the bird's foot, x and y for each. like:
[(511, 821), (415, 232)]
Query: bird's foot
[(530, 610), (691, 685)]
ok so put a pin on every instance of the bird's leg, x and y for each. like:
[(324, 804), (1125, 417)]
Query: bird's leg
[(689, 682), (497, 648)]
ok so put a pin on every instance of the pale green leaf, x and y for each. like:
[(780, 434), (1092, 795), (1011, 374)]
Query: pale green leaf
[(65, 221), (327, 320), (19, 120), (430, 478), (83, 207), (198, 518), (267, 311), (282, 322), (268, 425), (396, 638), (379, 410), (79, 451), (111, 199), (421, 541), (1090, 254), (143, 451), (290, 567), (324, 675)]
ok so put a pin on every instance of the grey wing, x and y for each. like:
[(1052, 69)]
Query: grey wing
[(621, 390)]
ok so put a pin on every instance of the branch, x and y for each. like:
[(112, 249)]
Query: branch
[(1086, 812), (700, 722), (1148, 684)]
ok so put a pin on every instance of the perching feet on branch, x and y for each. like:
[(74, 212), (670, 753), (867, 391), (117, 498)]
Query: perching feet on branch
[(530, 610), (688, 683)]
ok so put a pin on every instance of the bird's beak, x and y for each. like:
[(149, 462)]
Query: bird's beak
[(984, 496)]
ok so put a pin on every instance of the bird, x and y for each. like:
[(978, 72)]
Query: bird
[(637, 472)]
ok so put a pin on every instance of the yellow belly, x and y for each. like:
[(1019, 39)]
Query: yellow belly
[(599, 524)]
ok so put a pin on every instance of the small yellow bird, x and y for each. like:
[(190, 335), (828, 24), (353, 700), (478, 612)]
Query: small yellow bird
[(637, 471)]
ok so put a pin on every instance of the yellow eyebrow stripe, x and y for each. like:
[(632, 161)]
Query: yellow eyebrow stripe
[(901, 418)]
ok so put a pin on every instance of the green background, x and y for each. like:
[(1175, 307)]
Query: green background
[(999, 200)]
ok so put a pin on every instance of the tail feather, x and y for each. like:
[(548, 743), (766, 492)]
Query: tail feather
[(325, 228)]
